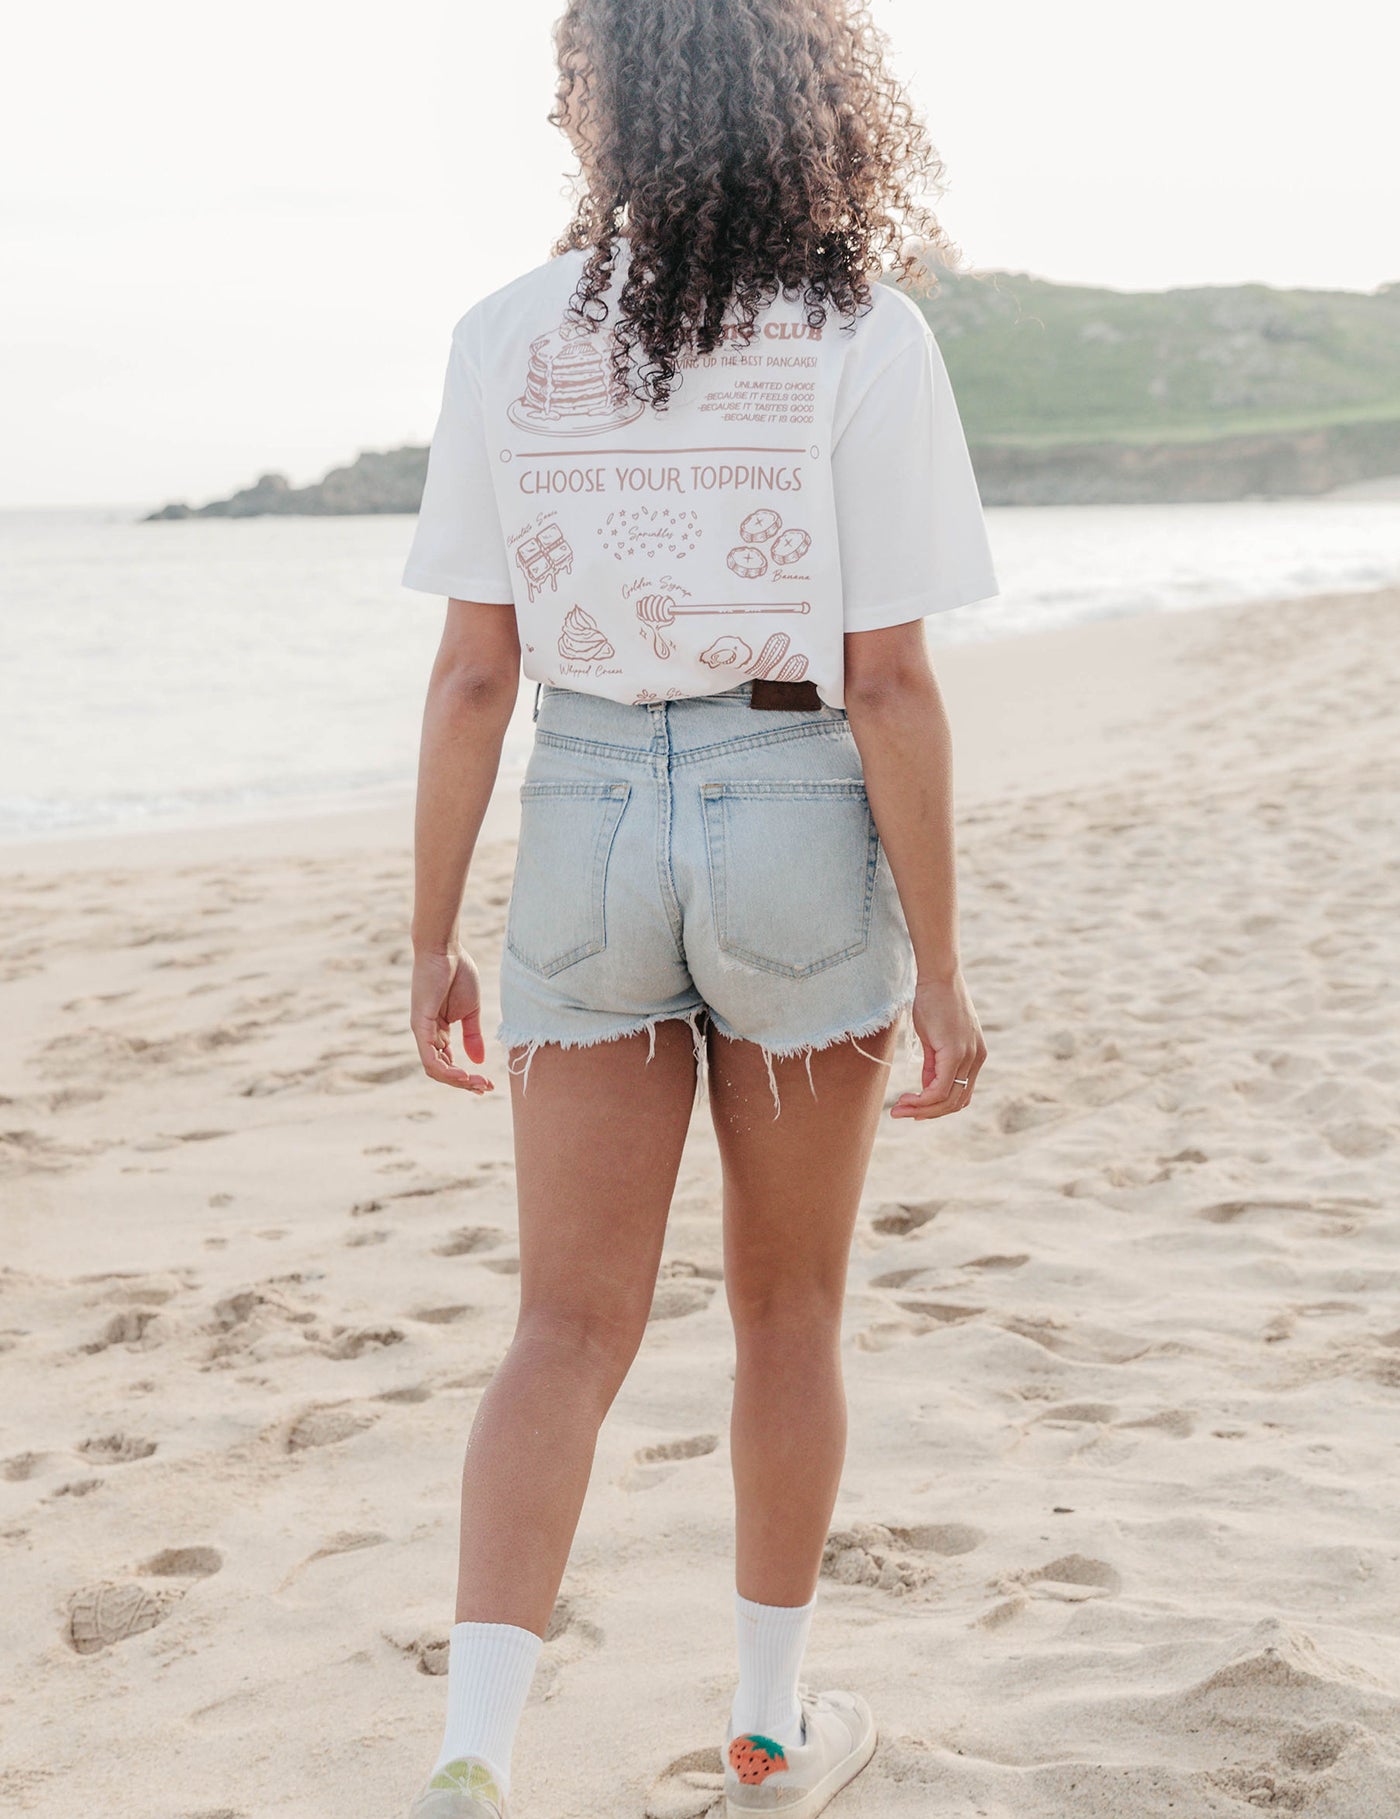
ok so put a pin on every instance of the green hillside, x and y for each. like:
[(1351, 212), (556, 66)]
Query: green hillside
[(1077, 396), (1038, 364)]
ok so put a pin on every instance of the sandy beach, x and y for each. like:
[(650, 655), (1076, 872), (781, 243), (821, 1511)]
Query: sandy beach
[(1119, 1536)]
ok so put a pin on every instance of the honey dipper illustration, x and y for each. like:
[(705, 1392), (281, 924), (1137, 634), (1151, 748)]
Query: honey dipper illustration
[(659, 610)]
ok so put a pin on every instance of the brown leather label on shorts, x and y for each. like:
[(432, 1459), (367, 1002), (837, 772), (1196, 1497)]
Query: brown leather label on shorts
[(795, 697)]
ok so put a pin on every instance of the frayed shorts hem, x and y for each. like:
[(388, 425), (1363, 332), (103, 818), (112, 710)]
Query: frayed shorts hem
[(529, 1045)]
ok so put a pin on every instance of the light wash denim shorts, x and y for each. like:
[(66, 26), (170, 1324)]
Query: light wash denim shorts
[(698, 859)]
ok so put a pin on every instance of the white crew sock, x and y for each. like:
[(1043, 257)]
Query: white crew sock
[(772, 1641), (489, 1670)]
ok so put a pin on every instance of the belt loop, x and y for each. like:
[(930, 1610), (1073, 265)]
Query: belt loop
[(535, 712)]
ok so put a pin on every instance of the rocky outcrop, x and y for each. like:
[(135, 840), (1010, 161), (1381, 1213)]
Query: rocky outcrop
[(388, 481)]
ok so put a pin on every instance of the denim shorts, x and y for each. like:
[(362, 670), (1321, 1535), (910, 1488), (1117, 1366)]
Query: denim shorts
[(698, 859)]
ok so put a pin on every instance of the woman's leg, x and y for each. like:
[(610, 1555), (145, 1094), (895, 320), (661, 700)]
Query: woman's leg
[(598, 1138), (792, 1185)]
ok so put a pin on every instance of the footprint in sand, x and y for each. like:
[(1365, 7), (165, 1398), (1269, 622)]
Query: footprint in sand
[(1176, 1423), (354, 1342), (476, 1378), (567, 1635), (1075, 1414), (325, 1424), (410, 1394), (21, 1466), (102, 1615), (115, 1449), (469, 1238), (683, 1288), (349, 1541), (571, 1630), (1098, 1345), (919, 1317), (1226, 1212), (696, 1447), (690, 1787), (1072, 1579), (653, 1465), (184, 1563), (241, 1321), (674, 1300), (899, 1278), (898, 1220), (427, 1650), (891, 1558), (131, 1327), (1027, 1113)]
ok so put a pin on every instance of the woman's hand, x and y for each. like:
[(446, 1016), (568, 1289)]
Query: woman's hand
[(447, 990), (951, 1037)]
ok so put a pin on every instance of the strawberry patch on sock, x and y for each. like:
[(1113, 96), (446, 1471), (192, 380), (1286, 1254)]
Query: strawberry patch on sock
[(754, 1758)]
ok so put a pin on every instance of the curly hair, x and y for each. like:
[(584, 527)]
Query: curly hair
[(743, 147)]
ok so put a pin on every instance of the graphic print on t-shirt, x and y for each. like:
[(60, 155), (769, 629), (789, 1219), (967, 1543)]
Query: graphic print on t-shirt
[(543, 558), (650, 531), (659, 612), (580, 640), (803, 482), (720, 486), (765, 542), (569, 387)]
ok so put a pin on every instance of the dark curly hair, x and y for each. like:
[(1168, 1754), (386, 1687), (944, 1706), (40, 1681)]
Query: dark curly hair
[(743, 147)]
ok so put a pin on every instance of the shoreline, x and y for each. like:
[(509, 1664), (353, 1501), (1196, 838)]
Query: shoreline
[(1064, 690)]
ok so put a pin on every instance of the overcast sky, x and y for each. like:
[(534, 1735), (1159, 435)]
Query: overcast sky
[(236, 239)]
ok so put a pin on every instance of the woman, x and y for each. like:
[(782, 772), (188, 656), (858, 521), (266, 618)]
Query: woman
[(705, 482)]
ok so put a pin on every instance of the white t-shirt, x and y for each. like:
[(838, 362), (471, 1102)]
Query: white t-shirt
[(812, 483)]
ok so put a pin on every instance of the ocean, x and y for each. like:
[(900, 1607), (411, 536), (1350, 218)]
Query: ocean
[(153, 674)]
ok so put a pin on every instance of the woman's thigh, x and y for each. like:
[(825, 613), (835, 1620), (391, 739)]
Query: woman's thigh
[(792, 1183), (598, 1139)]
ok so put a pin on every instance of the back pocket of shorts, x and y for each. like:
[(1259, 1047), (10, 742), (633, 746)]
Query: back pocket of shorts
[(558, 900), (792, 872)]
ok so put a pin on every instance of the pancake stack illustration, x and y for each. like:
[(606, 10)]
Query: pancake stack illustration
[(569, 387)]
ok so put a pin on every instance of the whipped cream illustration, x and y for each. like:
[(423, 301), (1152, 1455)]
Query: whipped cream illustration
[(581, 641)]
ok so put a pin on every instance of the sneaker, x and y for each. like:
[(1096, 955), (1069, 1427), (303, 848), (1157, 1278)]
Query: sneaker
[(799, 1780), (465, 1789)]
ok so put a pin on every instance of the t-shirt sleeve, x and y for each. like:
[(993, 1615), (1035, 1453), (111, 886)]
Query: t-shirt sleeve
[(909, 519), (457, 547)]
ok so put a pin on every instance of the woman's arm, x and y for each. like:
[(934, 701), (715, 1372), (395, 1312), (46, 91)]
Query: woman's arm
[(898, 720), (471, 696)]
